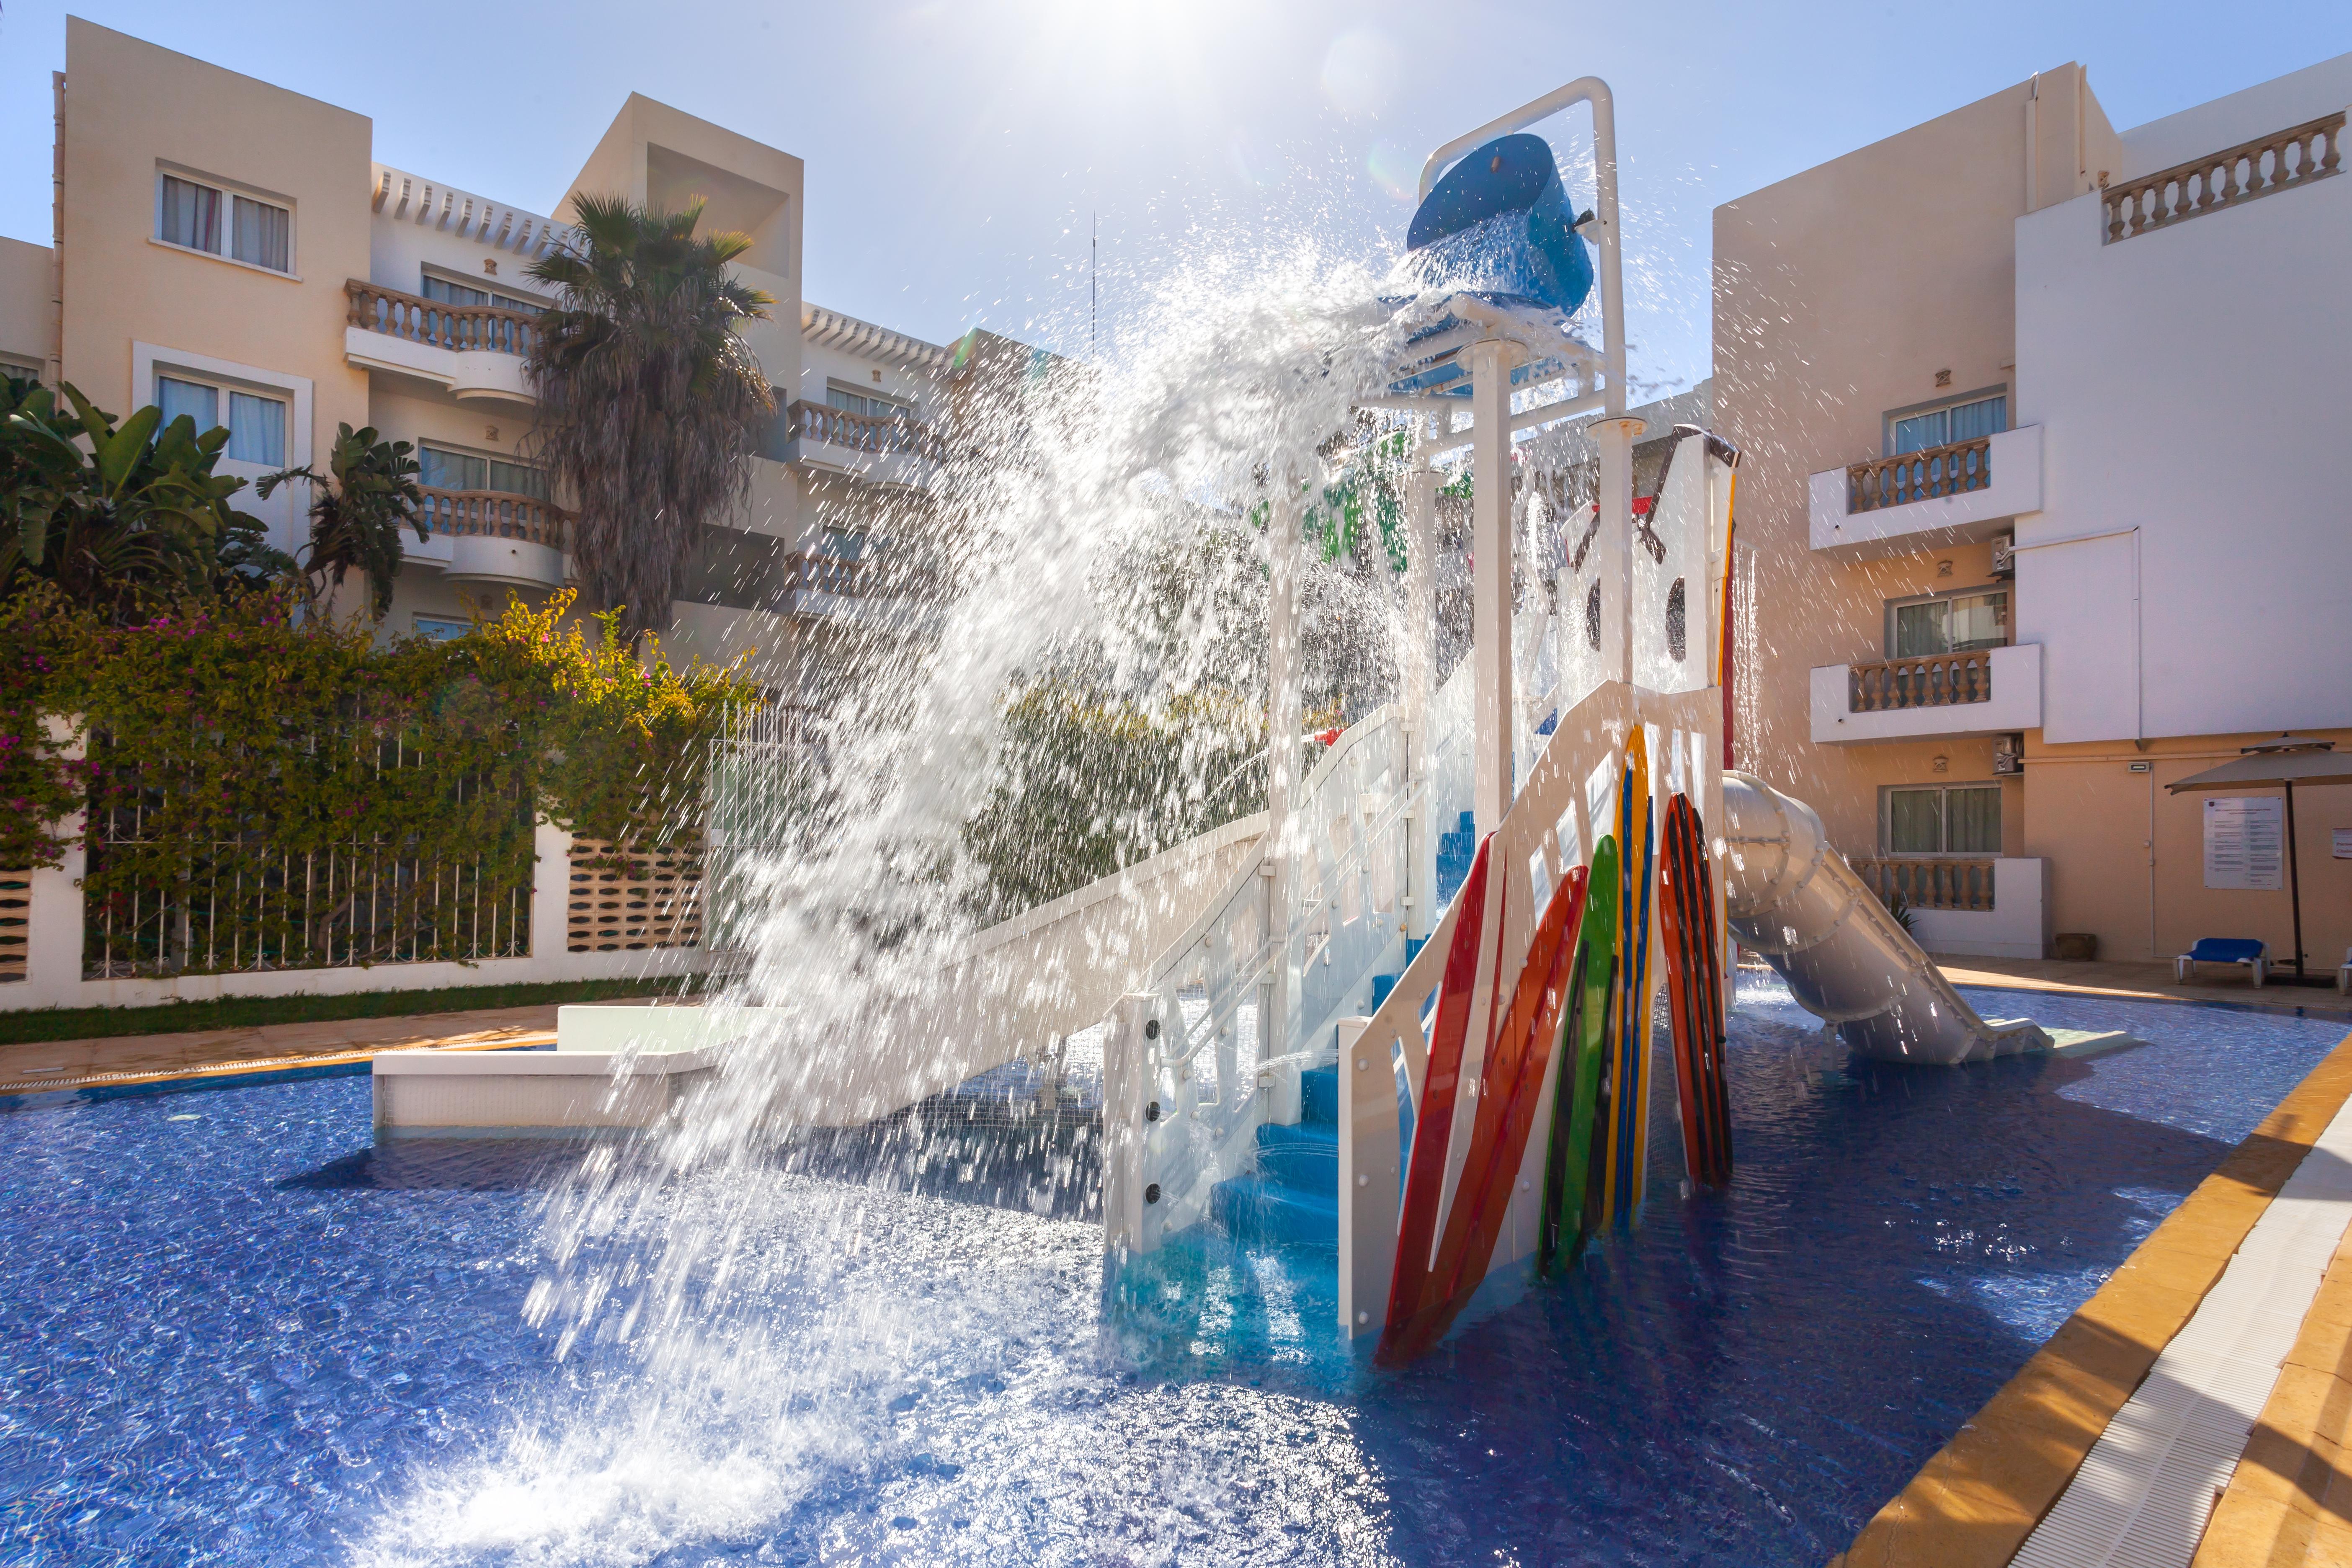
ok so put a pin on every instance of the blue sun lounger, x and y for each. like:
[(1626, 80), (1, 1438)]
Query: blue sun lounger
[(2222, 949)]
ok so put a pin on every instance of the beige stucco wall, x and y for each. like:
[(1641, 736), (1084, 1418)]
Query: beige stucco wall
[(128, 105), (29, 314), (2092, 816), (1843, 293), (1840, 295), (660, 157)]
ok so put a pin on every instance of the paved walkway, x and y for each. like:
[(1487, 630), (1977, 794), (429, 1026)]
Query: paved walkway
[(2142, 981), (2289, 1499), (127, 1061)]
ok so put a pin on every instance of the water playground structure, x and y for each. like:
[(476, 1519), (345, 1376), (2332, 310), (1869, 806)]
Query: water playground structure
[(1408, 1008)]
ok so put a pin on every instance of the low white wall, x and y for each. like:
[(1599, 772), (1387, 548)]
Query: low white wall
[(2017, 926), (52, 969)]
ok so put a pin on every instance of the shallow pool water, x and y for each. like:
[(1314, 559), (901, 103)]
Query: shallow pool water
[(231, 1331)]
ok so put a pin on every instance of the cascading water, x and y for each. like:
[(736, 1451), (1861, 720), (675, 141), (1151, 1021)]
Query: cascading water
[(752, 1315)]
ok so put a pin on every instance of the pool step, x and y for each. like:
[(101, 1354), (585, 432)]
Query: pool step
[(1294, 1194), (1455, 851)]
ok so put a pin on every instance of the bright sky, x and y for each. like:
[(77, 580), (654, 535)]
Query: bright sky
[(957, 149)]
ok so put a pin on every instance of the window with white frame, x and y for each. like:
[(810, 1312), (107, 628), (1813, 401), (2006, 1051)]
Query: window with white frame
[(449, 292), (856, 400), (256, 423), (1968, 418), (221, 221), (441, 629), (1941, 819), (1947, 623), (448, 469)]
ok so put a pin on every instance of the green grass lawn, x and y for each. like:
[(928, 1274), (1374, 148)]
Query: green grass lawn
[(247, 1012)]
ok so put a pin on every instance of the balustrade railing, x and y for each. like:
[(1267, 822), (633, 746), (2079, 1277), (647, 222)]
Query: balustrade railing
[(1940, 680), (2312, 150), (484, 328), (1930, 884), (864, 432), (835, 575), (494, 514), (1947, 471)]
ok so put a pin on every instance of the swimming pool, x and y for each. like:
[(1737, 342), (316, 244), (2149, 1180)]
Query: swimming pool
[(235, 1332)]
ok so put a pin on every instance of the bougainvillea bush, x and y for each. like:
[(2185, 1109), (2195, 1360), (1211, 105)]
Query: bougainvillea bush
[(262, 784)]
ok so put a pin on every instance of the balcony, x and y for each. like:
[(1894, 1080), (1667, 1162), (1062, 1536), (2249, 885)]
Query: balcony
[(873, 447), (1991, 692), (1985, 909), (835, 588), (1960, 494), (472, 351), (492, 538)]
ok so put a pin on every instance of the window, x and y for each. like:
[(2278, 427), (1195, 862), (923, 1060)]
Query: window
[(872, 402), (256, 424), (444, 468), (1968, 421), (204, 218), (1958, 623), (442, 629), (847, 545), (454, 293), (1945, 819)]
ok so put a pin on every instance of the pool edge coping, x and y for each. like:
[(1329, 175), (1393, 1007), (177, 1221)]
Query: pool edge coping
[(1974, 1503), (235, 1073)]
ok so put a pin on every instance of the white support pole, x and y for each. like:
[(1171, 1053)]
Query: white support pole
[(1285, 722), (1614, 544), (1490, 578), (1419, 656)]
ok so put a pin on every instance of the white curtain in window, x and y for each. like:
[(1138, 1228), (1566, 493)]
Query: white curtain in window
[(257, 429), (1972, 820), (1974, 421), (197, 401), (446, 471), (190, 215), (1915, 821), (262, 232)]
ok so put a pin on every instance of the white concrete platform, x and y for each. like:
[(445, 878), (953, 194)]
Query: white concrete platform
[(613, 1069)]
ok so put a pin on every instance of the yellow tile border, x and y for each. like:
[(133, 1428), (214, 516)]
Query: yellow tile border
[(1974, 1503), (241, 1066)]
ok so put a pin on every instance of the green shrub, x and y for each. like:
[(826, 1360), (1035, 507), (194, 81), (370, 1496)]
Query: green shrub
[(230, 744)]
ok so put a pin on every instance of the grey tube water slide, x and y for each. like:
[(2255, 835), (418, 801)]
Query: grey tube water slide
[(1793, 900)]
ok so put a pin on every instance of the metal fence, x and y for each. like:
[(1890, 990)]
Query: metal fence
[(240, 905)]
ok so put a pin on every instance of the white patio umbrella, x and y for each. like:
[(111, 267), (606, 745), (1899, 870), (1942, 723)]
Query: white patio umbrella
[(2289, 760)]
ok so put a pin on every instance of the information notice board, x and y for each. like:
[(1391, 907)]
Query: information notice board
[(2245, 843)]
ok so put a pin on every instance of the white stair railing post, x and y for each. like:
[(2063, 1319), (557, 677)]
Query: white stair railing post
[(1370, 1173), (1130, 1077), (1419, 654)]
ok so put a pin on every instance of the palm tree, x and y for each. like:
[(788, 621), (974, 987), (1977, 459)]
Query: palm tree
[(356, 516), (650, 402)]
